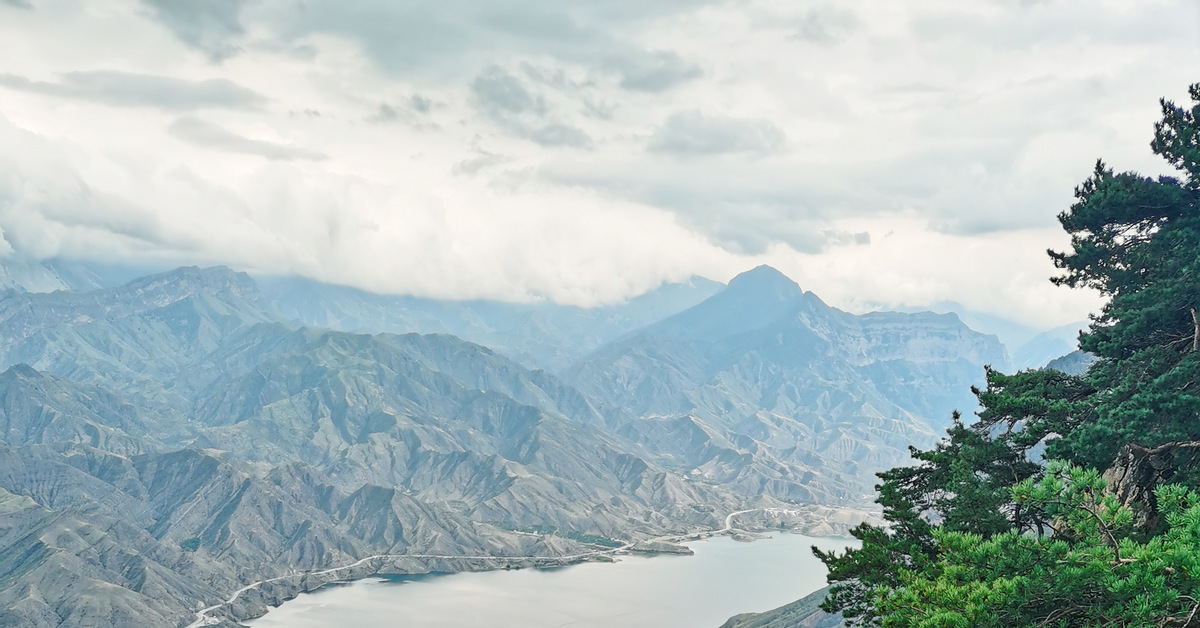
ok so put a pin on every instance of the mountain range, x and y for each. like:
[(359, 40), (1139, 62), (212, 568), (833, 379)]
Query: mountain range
[(165, 440), (546, 335), (765, 388)]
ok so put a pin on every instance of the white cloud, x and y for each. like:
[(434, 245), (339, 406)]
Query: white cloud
[(130, 89), (694, 133), (586, 151), (208, 135)]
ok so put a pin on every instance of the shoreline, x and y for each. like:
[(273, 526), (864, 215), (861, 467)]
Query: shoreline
[(203, 617), (664, 590)]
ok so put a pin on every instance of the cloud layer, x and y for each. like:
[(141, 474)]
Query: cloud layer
[(205, 134), (878, 152), (693, 133), (129, 89)]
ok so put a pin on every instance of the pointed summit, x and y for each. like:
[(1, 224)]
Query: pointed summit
[(765, 280), (753, 299)]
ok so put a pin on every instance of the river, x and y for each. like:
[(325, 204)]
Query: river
[(724, 578)]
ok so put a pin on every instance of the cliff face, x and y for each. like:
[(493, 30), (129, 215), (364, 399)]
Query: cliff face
[(1138, 470)]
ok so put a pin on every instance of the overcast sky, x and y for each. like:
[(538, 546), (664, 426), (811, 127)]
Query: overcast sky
[(880, 153)]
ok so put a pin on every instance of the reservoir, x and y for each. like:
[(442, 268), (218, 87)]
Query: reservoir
[(722, 579)]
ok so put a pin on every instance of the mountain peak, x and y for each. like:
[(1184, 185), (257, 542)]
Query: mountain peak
[(756, 298), (765, 279), (189, 280), (21, 371)]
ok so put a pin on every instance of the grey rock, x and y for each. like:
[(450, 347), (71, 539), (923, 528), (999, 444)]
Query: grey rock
[(803, 613), (1138, 470), (1076, 362)]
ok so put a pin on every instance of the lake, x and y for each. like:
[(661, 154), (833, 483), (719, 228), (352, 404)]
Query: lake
[(724, 578)]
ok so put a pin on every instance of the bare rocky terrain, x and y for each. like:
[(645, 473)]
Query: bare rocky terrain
[(165, 442), (803, 613)]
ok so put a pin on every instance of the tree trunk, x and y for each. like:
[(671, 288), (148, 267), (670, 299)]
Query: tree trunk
[(1138, 470), (1195, 332)]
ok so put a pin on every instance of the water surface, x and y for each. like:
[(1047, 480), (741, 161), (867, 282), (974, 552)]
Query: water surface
[(724, 578)]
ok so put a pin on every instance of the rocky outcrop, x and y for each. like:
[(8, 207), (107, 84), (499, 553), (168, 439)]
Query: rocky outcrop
[(1074, 363), (803, 613), (1139, 470)]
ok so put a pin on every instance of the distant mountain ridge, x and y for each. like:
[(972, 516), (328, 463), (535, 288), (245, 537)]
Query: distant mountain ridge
[(1047, 346), (197, 438), (1028, 347), (24, 275), (197, 346), (770, 386), (799, 392), (540, 335), (282, 433), (546, 336)]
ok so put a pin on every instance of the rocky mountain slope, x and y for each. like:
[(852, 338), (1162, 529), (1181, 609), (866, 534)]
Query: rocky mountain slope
[(301, 449), (92, 538), (166, 441), (444, 418), (435, 414), (1074, 363), (803, 613), (765, 388)]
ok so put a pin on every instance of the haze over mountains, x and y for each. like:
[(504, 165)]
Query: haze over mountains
[(545, 336), (169, 439), (1027, 346), (809, 397)]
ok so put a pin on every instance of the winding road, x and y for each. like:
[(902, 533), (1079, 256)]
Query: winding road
[(203, 618)]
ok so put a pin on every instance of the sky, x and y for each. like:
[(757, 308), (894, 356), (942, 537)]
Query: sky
[(880, 153)]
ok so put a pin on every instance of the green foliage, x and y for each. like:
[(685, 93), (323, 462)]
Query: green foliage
[(982, 531), (879, 563), (1088, 573), (1026, 408), (1137, 241), (965, 484)]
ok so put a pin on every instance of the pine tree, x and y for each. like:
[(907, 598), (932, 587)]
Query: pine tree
[(984, 531), (1137, 241)]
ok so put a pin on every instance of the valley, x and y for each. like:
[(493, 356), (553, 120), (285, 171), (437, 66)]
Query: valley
[(701, 314), (217, 456)]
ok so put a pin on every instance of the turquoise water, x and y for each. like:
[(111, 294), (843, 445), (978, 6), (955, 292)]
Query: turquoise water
[(724, 578)]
